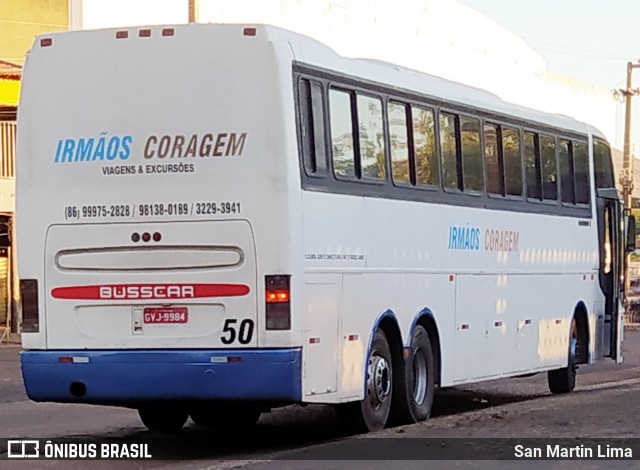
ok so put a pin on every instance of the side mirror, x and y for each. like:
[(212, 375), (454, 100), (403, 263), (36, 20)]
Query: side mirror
[(630, 245)]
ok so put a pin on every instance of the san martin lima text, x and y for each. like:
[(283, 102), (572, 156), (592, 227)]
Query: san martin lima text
[(580, 451)]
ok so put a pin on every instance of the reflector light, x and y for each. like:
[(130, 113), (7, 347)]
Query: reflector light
[(249, 31), (144, 33), (157, 237), (277, 296), (235, 359), (67, 359), (167, 32), (30, 317), (146, 237), (46, 42), (122, 34)]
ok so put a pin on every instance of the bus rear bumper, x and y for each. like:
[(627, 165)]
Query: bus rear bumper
[(124, 377)]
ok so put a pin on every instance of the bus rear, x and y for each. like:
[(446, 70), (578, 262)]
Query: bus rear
[(151, 218)]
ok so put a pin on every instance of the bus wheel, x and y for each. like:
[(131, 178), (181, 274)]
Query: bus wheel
[(371, 414), (413, 403), (564, 380), (226, 416), (165, 419)]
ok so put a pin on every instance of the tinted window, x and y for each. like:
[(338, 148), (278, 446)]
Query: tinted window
[(449, 150), (566, 171), (549, 168), (472, 170), (581, 172), (603, 165), (312, 120), (424, 144), (532, 165), (399, 142), (492, 159), (341, 133), (512, 161), (371, 136)]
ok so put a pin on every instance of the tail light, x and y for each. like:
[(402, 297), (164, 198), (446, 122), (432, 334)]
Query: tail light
[(29, 292), (278, 302)]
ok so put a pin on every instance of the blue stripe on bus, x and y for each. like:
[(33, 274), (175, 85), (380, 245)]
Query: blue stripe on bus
[(424, 312), (121, 376)]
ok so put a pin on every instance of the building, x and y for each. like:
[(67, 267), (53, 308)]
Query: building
[(20, 22)]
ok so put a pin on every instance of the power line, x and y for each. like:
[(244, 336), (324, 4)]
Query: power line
[(568, 50)]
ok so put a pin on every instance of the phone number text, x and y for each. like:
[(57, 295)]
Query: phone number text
[(151, 209)]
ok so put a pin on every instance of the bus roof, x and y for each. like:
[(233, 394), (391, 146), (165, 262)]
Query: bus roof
[(312, 52)]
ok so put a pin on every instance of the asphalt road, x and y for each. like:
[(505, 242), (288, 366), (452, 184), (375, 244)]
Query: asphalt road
[(604, 405)]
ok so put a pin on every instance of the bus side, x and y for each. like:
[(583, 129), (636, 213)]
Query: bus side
[(503, 279)]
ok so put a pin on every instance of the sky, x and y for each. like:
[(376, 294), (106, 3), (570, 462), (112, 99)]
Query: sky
[(589, 40)]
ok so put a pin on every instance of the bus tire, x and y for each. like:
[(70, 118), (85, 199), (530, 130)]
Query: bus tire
[(564, 380), (414, 401), (371, 414), (165, 419), (226, 416)]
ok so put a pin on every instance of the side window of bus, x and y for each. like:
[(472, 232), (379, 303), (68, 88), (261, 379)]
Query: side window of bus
[(549, 168), (311, 111), (342, 145), (424, 146), (566, 172), (399, 142), (449, 150), (472, 169), (581, 172), (371, 138), (512, 161), (603, 165), (493, 159), (532, 165)]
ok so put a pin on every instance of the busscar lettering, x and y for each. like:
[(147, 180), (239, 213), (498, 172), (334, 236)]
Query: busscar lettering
[(223, 144), (147, 292)]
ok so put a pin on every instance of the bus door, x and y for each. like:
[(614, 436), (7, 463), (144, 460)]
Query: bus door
[(612, 255)]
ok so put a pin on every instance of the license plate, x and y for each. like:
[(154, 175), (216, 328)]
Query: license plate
[(166, 315)]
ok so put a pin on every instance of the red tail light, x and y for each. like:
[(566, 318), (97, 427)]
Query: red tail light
[(29, 292), (278, 305), (277, 296)]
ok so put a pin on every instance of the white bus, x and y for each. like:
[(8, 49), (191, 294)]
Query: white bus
[(215, 220)]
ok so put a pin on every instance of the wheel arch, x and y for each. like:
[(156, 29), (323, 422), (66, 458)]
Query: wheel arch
[(426, 319), (388, 323), (580, 314)]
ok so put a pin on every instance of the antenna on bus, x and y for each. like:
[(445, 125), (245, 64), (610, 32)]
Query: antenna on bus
[(193, 11)]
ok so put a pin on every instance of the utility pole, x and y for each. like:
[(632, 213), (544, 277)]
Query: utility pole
[(627, 163), (193, 11)]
